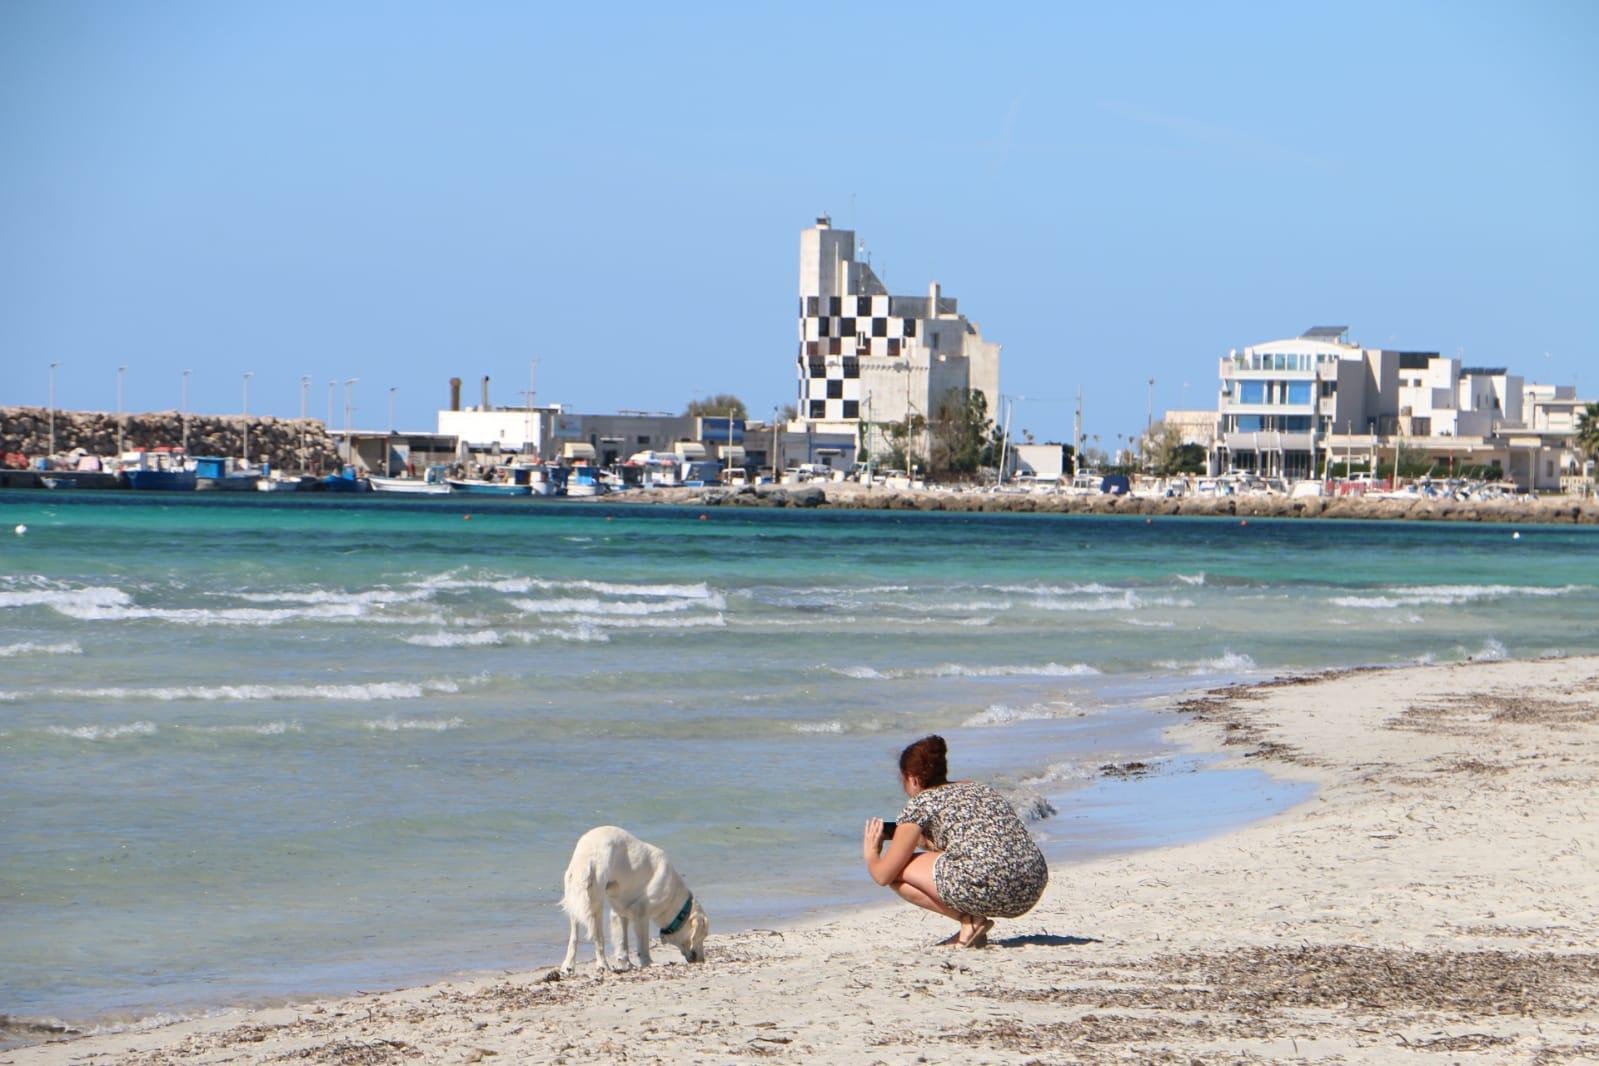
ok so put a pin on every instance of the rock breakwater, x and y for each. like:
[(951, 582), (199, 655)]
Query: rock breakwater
[(289, 444)]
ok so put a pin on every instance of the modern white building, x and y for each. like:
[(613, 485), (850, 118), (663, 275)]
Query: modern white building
[(868, 358), (1294, 407)]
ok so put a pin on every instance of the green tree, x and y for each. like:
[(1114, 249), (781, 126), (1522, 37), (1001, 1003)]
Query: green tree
[(959, 432), (718, 406), (1588, 431), (1163, 452)]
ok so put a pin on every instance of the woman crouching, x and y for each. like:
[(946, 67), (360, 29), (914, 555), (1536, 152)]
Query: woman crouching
[(977, 861)]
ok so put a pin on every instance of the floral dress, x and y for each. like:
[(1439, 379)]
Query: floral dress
[(990, 865)]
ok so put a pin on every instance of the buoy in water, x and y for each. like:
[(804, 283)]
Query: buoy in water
[(1514, 536), (705, 518), (466, 518), (21, 530)]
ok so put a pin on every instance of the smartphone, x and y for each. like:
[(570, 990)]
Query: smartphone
[(888, 829)]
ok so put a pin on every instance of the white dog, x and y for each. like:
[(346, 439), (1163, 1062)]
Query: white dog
[(611, 864)]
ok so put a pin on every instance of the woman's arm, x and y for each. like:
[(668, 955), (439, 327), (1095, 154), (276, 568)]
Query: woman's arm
[(886, 866)]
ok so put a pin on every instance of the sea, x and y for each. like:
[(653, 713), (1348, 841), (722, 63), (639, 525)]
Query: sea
[(254, 748)]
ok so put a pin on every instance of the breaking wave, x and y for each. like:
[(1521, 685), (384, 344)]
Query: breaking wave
[(1226, 663), (1447, 595), (378, 690), (867, 673), (1002, 714), (104, 732), (28, 647), (392, 724)]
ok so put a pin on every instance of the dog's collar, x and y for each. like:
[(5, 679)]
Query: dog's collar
[(682, 916)]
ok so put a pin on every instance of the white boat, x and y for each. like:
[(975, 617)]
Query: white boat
[(582, 482), (430, 484), (1307, 490), (277, 483)]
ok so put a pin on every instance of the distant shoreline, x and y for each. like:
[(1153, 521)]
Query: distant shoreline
[(848, 496)]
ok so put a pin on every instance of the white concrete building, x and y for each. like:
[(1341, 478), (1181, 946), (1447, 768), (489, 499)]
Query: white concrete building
[(1293, 407), (867, 358)]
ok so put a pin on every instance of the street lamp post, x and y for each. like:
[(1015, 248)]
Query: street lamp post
[(392, 390), (328, 423), (121, 370), (248, 374), (183, 411), (1149, 410), (53, 408), (349, 450)]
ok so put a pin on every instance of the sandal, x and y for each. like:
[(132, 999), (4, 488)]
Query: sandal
[(979, 935)]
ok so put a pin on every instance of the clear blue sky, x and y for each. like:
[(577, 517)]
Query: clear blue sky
[(404, 192)]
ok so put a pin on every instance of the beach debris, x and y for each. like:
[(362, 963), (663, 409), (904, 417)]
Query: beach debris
[(1126, 769)]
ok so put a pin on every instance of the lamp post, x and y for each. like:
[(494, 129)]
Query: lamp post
[(53, 408), (305, 393), (328, 423), (392, 390), (121, 370), (248, 374), (1149, 410), (183, 411), (349, 406)]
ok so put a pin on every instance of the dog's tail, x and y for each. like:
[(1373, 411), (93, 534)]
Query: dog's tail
[(577, 900)]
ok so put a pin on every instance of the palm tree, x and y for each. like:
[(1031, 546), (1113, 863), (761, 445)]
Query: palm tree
[(1588, 431)]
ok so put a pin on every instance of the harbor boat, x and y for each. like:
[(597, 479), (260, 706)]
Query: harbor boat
[(212, 474), (538, 479), (479, 487), (346, 480), (432, 483), (278, 483), (583, 483), (86, 472), (158, 469)]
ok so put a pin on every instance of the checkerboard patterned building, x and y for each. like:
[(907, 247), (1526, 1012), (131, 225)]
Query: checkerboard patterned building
[(868, 356)]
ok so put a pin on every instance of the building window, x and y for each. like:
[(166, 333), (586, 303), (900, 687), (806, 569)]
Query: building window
[(893, 346), (863, 306), (818, 408), (910, 327), (1251, 392), (879, 327), (835, 346), (810, 348), (810, 309), (823, 325), (852, 367), (643, 438), (846, 327), (818, 368), (852, 409), (835, 306), (835, 389), (1299, 392)]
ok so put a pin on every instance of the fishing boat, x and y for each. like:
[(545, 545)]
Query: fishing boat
[(584, 483), (158, 469), (431, 483), (278, 482), (346, 480), (479, 487), (212, 473)]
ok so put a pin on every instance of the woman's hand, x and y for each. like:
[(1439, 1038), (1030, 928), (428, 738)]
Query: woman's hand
[(872, 839)]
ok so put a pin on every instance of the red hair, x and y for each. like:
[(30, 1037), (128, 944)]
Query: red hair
[(927, 761)]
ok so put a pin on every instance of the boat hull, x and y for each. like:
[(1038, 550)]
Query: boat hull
[(160, 480), (235, 483), (409, 486), (486, 488)]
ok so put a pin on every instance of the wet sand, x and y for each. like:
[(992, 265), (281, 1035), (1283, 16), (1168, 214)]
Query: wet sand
[(1438, 894)]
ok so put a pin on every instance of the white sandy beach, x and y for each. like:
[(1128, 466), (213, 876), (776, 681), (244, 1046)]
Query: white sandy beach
[(1436, 901)]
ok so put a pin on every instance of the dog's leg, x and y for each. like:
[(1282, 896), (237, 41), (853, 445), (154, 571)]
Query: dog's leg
[(619, 924), (570, 964), (641, 925), (597, 929)]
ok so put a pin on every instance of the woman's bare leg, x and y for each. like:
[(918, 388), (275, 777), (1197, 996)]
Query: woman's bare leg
[(915, 885)]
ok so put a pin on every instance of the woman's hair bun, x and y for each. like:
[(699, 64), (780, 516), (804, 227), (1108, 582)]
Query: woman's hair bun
[(927, 761)]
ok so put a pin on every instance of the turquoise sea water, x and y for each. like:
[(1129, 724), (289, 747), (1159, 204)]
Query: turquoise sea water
[(256, 747)]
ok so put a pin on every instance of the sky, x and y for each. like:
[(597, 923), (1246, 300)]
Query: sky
[(400, 193)]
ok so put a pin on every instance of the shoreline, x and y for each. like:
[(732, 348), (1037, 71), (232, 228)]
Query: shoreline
[(847, 496), (1367, 924)]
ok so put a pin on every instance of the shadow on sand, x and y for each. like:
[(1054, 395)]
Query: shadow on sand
[(1042, 940)]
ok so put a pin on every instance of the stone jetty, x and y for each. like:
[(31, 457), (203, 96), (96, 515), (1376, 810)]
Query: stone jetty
[(288, 444), (1545, 510)]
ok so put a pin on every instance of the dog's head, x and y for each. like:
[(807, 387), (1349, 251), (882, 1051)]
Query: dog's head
[(690, 936)]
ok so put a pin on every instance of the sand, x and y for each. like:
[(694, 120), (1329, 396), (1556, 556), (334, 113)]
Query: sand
[(1437, 901)]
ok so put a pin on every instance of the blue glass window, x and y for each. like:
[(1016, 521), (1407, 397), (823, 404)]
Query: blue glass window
[(1251, 392), (1248, 423), (1296, 424), (1299, 392)]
